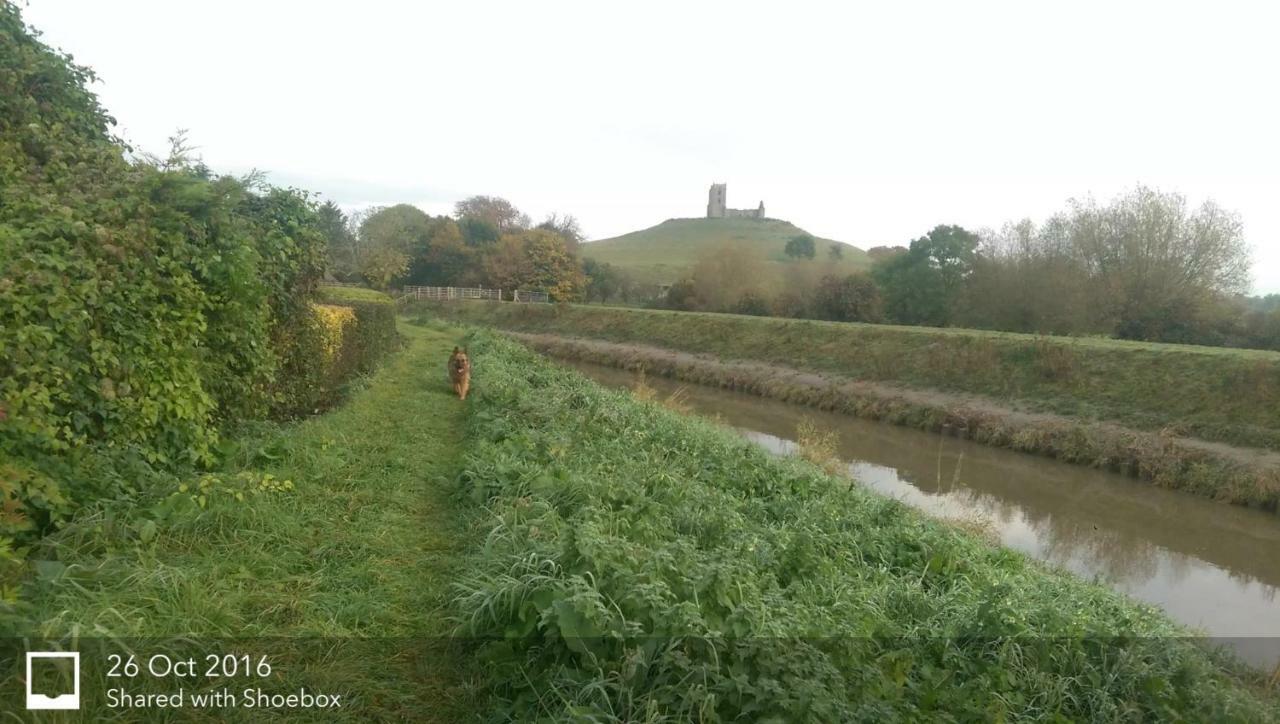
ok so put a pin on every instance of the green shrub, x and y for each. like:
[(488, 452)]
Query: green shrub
[(644, 566)]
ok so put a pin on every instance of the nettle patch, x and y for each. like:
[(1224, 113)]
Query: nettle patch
[(643, 566)]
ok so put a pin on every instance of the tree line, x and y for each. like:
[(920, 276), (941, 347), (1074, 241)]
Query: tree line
[(1143, 266), (486, 242)]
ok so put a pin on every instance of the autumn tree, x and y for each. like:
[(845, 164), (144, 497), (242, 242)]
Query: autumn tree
[(535, 259)]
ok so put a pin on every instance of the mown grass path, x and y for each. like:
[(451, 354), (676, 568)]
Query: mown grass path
[(353, 564)]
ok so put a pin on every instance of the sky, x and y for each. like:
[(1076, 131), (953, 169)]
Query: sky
[(865, 122)]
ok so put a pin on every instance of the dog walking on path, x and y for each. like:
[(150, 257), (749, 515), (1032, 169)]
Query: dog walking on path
[(460, 371)]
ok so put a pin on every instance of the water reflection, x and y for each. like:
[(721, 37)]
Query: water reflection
[(1209, 565)]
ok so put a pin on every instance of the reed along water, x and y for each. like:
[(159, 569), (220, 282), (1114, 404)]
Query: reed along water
[(1212, 566)]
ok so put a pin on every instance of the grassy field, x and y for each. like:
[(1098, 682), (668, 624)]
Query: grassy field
[(662, 253), (644, 566), (1226, 395), (328, 546)]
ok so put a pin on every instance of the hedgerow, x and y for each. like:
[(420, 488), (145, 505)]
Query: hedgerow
[(336, 341), (375, 330), (145, 304), (643, 566)]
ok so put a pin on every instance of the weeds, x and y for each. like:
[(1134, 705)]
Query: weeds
[(819, 446)]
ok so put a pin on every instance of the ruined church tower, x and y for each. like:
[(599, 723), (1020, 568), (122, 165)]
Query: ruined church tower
[(717, 207), (716, 201)]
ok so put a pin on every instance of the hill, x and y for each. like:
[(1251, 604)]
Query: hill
[(660, 254)]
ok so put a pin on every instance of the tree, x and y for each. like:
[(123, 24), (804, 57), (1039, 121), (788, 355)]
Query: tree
[(604, 280), (836, 252), (382, 264), (535, 259), (922, 285), (683, 295), (448, 261), (403, 226), (567, 227), (1151, 263), (478, 233), (341, 243), (851, 298), (500, 213), (801, 246), (725, 275)]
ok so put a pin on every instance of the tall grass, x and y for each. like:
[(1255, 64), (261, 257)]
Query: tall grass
[(645, 566)]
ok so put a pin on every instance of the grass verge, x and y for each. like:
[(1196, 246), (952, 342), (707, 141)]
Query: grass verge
[(1226, 395), (1164, 460), (644, 566), (327, 546)]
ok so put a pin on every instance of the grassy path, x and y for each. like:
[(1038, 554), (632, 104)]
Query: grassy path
[(353, 564)]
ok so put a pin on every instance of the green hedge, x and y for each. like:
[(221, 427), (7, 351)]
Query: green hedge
[(639, 565), (343, 337), (143, 305), (375, 332)]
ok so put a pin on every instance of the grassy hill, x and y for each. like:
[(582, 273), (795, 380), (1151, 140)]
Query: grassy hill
[(662, 253)]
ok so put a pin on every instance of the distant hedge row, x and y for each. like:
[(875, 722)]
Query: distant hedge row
[(143, 304)]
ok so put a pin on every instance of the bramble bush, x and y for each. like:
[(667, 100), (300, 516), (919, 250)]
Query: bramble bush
[(644, 566)]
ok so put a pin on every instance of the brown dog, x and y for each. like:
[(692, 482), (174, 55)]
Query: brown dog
[(460, 372)]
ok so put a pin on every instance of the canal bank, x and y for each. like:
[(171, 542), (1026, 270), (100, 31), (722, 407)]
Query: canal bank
[(1243, 476), (1202, 562)]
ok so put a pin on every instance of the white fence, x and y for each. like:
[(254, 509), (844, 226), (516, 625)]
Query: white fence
[(471, 293), (452, 293)]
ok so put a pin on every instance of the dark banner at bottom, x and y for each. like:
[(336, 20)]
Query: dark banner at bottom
[(451, 679)]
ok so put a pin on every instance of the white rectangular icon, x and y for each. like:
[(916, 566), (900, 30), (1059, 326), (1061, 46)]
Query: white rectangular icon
[(58, 701)]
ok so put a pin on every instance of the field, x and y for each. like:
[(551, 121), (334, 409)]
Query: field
[(662, 253)]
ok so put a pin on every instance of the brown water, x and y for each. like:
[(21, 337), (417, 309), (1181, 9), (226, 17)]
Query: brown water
[(1212, 566)]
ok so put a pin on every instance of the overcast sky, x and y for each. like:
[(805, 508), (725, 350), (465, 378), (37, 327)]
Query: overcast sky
[(868, 124)]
